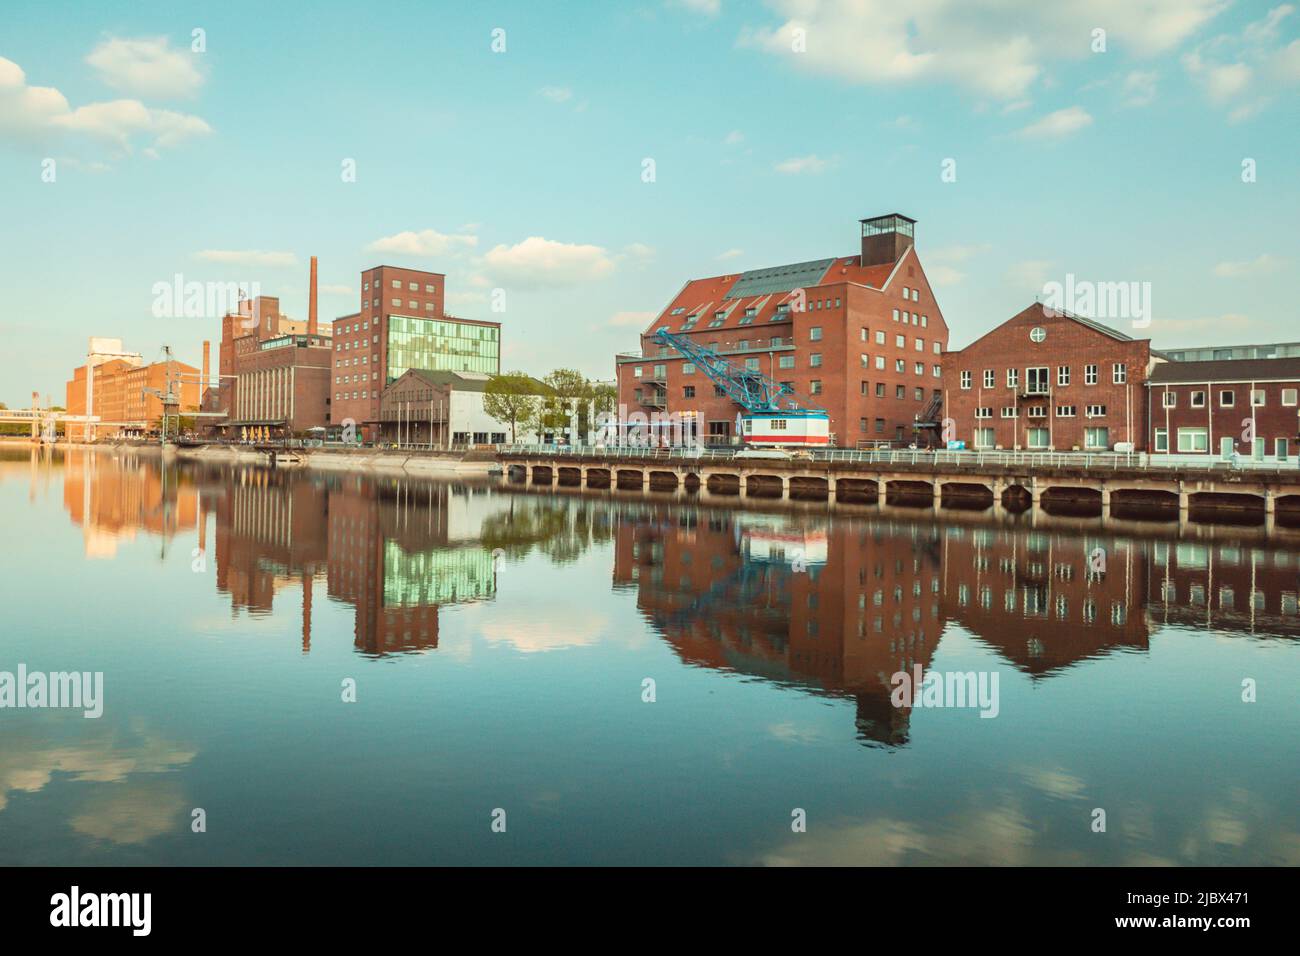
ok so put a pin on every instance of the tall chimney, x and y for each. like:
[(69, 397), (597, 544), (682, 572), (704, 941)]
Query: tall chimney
[(203, 383), (311, 300)]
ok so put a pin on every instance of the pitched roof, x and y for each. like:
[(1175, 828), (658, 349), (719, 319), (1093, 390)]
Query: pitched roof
[(1226, 370)]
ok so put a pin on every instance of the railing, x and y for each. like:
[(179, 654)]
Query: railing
[(1088, 461)]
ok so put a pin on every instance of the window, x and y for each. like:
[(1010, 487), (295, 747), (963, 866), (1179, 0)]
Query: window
[(1037, 437), (990, 377), (1170, 400), (1193, 439), (1096, 438), (900, 341), (815, 333), (965, 379), (900, 366), (1096, 411), (751, 365), (866, 360), (1198, 399), (916, 295), (1010, 411), (880, 426), (938, 370), (1065, 411), (1063, 375), (1257, 398), (397, 283), (900, 391), (1280, 449), (920, 345), (815, 387), (906, 292), (1013, 378), (1036, 380), (815, 360), (1119, 374), (1090, 375), (688, 368), (785, 361), (984, 437), (880, 362), (1289, 396), (880, 390), (983, 412), (895, 315), (1162, 439), (636, 371), (919, 368), (866, 390), (880, 338), (920, 395), (1227, 398)]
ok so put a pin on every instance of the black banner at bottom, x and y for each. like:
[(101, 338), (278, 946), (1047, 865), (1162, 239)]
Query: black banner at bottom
[(334, 905)]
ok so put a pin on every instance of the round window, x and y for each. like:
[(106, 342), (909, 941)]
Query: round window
[(1038, 333)]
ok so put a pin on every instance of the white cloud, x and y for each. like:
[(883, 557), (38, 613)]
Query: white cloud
[(42, 113), (1222, 82), (798, 165), (1139, 88), (732, 254), (639, 250), (941, 269), (1261, 265), (999, 50), (426, 242), (1059, 124), (735, 138), (1030, 274), (336, 290), (146, 66), (538, 262), (248, 257), (708, 8), (556, 94)]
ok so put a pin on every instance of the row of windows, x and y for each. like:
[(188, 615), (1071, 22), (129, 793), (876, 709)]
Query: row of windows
[(350, 379), (397, 284), (1095, 438), (912, 318), (1228, 398), (1038, 378), (342, 396), (1040, 411)]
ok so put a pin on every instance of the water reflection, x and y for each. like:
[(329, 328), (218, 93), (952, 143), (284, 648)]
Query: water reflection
[(501, 636)]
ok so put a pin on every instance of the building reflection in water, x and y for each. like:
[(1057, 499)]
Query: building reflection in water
[(830, 603)]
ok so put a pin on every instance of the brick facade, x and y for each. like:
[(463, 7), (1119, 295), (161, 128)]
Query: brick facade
[(1095, 379), (1213, 408), (865, 345)]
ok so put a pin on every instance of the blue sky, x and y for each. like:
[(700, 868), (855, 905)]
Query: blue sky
[(522, 170)]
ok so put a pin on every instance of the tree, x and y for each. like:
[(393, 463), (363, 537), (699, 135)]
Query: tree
[(572, 398), (512, 397)]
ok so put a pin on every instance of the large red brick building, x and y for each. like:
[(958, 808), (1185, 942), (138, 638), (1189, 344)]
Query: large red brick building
[(860, 336), (401, 325), (1250, 406), (1047, 380)]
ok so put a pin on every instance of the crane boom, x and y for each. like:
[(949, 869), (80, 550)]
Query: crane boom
[(751, 390)]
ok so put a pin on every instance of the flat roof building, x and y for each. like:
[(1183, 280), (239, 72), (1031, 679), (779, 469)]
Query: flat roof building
[(402, 325)]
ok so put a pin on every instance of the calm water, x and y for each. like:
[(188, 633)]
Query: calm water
[(499, 640)]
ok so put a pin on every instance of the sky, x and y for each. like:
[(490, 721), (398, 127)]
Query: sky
[(570, 166)]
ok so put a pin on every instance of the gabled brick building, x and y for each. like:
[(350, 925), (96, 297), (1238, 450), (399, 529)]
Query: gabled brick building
[(860, 336), (1049, 380)]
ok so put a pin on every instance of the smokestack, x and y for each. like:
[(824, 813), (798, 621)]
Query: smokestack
[(203, 385), (311, 300)]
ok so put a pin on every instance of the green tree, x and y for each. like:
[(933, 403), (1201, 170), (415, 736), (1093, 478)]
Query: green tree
[(512, 397), (571, 400)]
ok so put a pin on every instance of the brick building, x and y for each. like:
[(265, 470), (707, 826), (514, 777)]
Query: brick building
[(1048, 380), (1214, 408), (859, 336), (402, 325), (126, 395)]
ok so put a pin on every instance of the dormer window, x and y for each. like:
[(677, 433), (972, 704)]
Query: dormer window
[(677, 311)]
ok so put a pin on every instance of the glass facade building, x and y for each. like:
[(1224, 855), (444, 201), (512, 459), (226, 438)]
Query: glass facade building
[(441, 345)]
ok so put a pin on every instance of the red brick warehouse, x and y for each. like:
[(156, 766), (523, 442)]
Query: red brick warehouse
[(1048, 380), (865, 345)]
